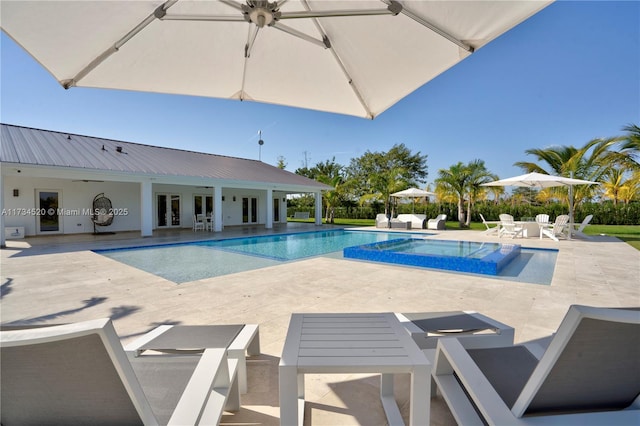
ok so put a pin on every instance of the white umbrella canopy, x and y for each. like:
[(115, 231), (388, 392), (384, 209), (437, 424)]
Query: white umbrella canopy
[(412, 193), (539, 180), (355, 57)]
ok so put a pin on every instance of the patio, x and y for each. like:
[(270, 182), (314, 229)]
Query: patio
[(58, 279)]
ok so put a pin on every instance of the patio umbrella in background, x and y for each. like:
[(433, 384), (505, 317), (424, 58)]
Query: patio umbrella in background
[(540, 180), (412, 193), (349, 57)]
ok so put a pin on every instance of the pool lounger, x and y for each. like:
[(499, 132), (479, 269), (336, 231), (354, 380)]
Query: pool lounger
[(473, 329), (239, 340)]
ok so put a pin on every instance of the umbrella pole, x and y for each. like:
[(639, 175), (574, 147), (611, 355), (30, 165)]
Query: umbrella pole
[(570, 210)]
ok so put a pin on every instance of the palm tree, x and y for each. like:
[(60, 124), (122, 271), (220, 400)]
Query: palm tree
[(464, 180), (630, 190), (331, 197), (455, 179), (613, 184), (478, 174), (591, 162)]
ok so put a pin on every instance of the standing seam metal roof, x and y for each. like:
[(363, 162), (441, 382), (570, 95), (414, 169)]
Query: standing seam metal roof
[(24, 145)]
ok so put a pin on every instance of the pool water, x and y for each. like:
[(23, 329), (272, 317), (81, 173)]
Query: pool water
[(185, 262), (298, 246)]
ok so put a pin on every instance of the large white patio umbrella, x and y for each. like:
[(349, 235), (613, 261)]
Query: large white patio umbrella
[(412, 193), (541, 180), (350, 57)]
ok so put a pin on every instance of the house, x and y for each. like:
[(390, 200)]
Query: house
[(50, 179)]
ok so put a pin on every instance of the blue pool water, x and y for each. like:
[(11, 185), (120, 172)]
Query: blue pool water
[(461, 256), (205, 259), (186, 262)]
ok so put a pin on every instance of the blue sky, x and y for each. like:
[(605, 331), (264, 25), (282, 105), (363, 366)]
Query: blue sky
[(567, 75)]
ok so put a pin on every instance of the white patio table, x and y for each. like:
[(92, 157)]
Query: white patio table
[(530, 228), (352, 343)]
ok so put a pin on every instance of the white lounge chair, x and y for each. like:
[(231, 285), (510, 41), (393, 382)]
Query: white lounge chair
[(589, 374), (79, 374), (490, 229), (580, 227), (558, 229), (438, 223), (240, 340), (509, 227)]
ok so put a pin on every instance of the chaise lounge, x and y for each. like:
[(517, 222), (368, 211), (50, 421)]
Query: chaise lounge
[(240, 340), (589, 374), (80, 374)]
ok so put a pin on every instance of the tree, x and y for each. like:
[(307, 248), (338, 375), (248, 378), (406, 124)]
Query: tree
[(329, 169), (591, 162), (478, 174), (376, 175), (631, 188), (613, 184), (282, 164), (331, 197), (465, 181), (330, 173)]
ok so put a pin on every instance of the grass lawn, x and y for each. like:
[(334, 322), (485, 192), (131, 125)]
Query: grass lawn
[(628, 233)]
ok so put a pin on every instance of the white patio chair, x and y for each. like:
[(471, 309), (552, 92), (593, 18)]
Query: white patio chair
[(490, 229), (589, 374), (580, 227), (382, 221), (558, 229), (79, 374), (509, 227), (542, 218), (198, 223), (208, 223), (438, 223)]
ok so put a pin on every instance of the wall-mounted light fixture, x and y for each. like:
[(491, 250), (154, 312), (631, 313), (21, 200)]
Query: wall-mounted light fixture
[(234, 198), (223, 198), (16, 192), (284, 199)]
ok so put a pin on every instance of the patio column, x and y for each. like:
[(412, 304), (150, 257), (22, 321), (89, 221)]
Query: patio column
[(3, 238), (283, 210), (146, 209), (318, 208), (217, 209), (269, 223)]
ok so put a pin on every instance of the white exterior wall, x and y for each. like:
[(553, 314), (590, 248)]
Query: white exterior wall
[(78, 196), (74, 198)]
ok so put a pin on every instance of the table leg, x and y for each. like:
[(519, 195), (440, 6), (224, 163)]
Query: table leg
[(387, 396), (420, 404), (291, 389)]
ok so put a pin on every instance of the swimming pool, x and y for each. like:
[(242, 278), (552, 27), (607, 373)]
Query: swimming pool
[(185, 262), (462, 256), (205, 259)]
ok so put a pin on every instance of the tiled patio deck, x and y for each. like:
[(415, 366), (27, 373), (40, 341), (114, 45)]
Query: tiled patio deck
[(58, 279)]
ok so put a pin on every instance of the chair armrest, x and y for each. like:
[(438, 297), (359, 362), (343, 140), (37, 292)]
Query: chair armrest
[(452, 358), (146, 338), (212, 382)]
